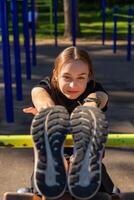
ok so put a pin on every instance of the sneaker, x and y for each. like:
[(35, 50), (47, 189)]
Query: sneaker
[(89, 130), (49, 129), (116, 194), (116, 190), (16, 196)]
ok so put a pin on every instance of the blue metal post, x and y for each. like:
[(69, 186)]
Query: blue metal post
[(55, 7), (6, 62), (34, 60), (103, 21), (26, 37), (129, 34), (115, 11), (0, 29), (14, 10), (74, 22)]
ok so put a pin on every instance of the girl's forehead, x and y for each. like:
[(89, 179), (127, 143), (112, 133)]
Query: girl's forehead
[(75, 65)]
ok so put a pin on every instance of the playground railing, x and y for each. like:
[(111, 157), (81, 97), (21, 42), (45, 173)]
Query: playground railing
[(25, 141)]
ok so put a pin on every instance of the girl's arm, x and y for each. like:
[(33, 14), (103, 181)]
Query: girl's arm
[(41, 98), (98, 99)]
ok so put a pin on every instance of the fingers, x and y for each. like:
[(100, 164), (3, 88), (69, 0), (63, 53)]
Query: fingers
[(30, 110)]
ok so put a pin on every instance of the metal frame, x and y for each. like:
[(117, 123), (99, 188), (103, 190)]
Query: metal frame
[(25, 141)]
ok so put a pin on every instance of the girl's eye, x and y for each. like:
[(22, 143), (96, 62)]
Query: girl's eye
[(81, 78), (66, 77)]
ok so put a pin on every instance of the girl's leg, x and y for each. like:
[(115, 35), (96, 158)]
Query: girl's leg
[(102, 196), (106, 183)]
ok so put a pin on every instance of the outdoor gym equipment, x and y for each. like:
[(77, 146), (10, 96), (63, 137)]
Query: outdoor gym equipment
[(14, 11), (116, 15), (26, 38), (55, 7), (25, 141), (6, 62), (6, 54), (34, 59), (103, 5), (129, 17)]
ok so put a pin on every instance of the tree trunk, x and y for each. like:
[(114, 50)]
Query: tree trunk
[(68, 19)]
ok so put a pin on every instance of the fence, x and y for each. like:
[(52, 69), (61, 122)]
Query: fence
[(6, 49), (116, 15)]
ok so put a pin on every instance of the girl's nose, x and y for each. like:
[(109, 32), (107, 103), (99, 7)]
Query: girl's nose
[(73, 84)]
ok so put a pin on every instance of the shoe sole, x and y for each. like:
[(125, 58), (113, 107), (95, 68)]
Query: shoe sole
[(89, 130), (49, 130)]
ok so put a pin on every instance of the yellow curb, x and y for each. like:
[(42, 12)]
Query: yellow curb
[(25, 141)]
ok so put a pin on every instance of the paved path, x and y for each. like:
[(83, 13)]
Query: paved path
[(115, 73), (16, 167)]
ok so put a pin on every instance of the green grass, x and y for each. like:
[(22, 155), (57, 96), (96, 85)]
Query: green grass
[(90, 22)]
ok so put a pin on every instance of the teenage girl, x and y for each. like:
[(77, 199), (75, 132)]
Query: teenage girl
[(70, 101)]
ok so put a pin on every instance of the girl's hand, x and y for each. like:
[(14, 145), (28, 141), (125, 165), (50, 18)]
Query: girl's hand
[(92, 104), (30, 110), (100, 96)]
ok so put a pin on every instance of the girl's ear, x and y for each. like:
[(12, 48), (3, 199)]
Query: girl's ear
[(54, 74)]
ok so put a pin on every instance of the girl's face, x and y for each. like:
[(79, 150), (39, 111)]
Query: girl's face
[(73, 78)]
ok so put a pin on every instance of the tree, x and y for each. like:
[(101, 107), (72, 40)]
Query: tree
[(68, 19)]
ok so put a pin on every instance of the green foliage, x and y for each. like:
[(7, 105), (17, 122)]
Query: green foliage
[(90, 18)]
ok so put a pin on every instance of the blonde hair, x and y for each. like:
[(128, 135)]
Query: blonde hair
[(70, 53)]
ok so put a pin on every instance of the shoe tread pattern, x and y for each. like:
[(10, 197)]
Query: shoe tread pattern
[(49, 128), (87, 138)]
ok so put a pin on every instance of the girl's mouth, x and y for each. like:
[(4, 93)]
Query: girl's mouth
[(73, 92)]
